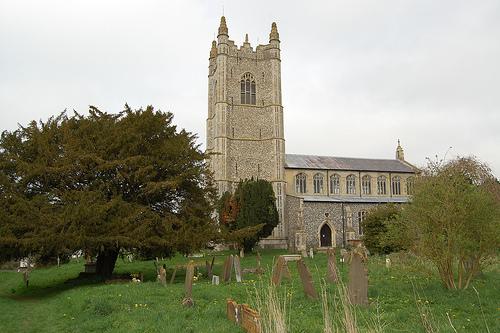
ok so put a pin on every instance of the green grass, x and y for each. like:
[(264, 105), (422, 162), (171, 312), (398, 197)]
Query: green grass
[(51, 305)]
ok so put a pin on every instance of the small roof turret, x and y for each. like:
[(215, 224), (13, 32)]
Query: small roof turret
[(274, 35)]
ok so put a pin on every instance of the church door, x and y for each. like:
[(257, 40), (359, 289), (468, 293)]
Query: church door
[(325, 235)]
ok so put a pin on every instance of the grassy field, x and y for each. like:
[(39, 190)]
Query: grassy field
[(51, 305)]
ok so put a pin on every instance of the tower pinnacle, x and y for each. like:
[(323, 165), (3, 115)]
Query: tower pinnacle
[(400, 155), (274, 35), (213, 50), (246, 38), (223, 26)]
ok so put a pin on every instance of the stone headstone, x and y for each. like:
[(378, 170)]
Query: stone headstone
[(388, 262), (242, 253), (188, 285), (162, 275), (228, 269), (232, 310), (331, 275), (250, 319), (173, 275), (311, 253), (237, 268), (306, 278), (280, 270), (357, 287), (215, 280)]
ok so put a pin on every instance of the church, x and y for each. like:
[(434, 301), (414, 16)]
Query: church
[(321, 200)]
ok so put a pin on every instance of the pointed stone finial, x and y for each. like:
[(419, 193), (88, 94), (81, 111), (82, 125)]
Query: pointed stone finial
[(213, 50), (246, 38), (400, 155), (223, 26), (274, 35)]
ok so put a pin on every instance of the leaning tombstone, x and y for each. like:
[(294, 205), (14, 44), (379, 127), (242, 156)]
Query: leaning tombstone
[(242, 253), (278, 271), (387, 262), (311, 253), (188, 285), (237, 268), (332, 268), (215, 280), (250, 319), (306, 278), (357, 288), (173, 275)]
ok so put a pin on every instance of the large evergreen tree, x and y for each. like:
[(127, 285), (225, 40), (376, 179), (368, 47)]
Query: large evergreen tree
[(250, 213), (102, 183)]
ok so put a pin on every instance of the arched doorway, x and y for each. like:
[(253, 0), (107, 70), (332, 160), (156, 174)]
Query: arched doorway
[(325, 236)]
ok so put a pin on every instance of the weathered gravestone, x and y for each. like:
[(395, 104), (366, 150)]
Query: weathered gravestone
[(344, 256), (306, 278), (233, 311), (280, 270), (250, 319), (311, 253), (173, 275), (387, 262), (357, 288), (237, 268), (215, 280), (331, 275), (162, 275), (210, 268), (228, 269), (188, 285)]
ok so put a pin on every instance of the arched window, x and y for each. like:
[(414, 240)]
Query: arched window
[(381, 185), (351, 184), (335, 184), (300, 183), (248, 89), (396, 185), (409, 185), (366, 185), (318, 183)]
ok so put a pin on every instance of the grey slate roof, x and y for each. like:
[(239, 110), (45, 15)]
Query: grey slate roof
[(324, 198), (293, 161)]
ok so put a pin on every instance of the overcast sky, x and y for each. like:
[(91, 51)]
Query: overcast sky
[(356, 75)]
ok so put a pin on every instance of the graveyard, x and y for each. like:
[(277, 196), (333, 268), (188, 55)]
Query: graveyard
[(402, 297)]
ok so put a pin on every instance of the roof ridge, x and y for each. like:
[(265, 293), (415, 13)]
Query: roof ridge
[(357, 158)]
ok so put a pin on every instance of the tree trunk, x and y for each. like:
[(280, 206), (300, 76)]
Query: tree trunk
[(105, 263)]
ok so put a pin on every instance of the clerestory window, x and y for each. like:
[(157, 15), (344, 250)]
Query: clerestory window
[(300, 183), (351, 184), (366, 184), (396, 185), (318, 183), (335, 184), (381, 185), (248, 89)]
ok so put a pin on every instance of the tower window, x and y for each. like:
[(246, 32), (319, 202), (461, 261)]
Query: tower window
[(247, 85)]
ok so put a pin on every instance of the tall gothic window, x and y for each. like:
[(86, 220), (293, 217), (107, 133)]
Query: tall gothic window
[(300, 183), (361, 218), (248, 89), (409, 185), (396, 185), (366, 184), (351, 184), (335, 184), (318, 183), (381, 185)]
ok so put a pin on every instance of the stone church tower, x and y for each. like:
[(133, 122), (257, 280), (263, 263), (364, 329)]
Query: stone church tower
[(245, 117)]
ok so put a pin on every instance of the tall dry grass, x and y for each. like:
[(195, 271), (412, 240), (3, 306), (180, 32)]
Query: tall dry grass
[(273, 308)]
